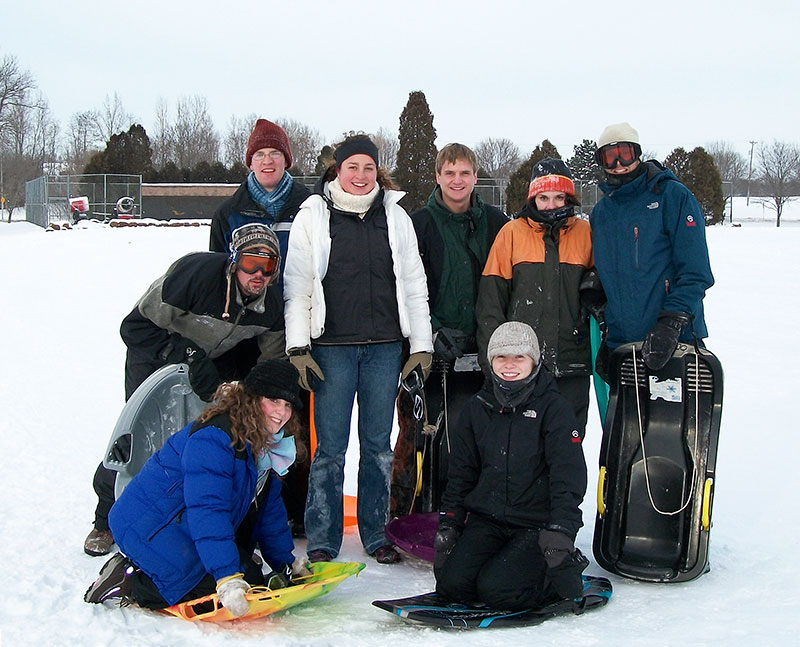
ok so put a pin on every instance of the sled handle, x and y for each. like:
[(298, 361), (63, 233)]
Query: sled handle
[(601, 492), (707, 504)]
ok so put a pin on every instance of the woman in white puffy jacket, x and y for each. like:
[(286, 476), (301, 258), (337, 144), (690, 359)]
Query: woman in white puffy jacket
[(355, 291)]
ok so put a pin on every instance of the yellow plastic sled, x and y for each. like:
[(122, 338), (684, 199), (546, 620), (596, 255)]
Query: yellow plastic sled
[(263, 601)]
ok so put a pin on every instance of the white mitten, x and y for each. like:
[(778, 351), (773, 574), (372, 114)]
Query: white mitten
[(300, 568), (231, 592)]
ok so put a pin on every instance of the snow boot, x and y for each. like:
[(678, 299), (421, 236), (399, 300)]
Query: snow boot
[(98, 542), (113, 582), (386, 554)]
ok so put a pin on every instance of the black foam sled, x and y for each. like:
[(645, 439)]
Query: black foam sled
[(430, 609), (657, 460)]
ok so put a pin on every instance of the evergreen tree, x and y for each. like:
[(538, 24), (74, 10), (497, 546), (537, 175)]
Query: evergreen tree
[(201, 173), (583, 163), (125, 153), (520, 180), (324, 159), (678, 162), (237, 173), (416, 158), (698, 171)]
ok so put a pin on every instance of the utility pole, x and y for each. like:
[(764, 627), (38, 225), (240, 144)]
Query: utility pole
[(750, 172)]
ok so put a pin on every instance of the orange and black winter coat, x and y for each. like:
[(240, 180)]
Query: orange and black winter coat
[(532, 274)]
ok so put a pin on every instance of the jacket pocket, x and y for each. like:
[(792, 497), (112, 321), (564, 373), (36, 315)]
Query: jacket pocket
[(176, 518)]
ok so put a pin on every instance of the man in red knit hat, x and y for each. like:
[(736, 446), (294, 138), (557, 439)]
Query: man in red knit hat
[(268, 196)]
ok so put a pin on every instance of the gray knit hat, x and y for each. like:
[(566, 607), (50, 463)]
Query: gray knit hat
[(614, 133), (514, 338)]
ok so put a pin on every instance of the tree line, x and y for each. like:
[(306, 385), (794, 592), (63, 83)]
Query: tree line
[(185, 146)]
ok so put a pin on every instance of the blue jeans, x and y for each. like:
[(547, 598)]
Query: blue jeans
[(370, 371)]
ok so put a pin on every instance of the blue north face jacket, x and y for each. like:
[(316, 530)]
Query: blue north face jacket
[(650, 251), (177, 518)]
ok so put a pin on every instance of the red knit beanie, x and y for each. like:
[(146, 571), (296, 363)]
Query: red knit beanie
[(268, 135)]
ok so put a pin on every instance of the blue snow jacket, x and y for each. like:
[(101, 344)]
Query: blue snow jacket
[(650, 252), (177, 518)]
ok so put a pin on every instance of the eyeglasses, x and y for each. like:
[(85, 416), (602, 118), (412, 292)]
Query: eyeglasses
[(252, 263), (626, 153), (260, 155)]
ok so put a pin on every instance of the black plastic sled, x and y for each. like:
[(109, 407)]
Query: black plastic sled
[(657, 459), (422, 452), (163, 404), (430, 609)]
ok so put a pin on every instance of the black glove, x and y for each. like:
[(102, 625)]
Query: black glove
[(446, 344), (601, 362), (565, 563), (203, 375), (662, 339), (175, 350), (592, 297), (280, 578), (447, 533)]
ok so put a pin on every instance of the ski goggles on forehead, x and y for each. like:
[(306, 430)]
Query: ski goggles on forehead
[(626, 153), (252, 263)]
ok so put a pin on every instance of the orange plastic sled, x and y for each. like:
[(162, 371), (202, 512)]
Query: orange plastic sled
[(263, 601)]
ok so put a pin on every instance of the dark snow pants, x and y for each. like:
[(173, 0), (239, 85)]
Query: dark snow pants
[(576, 390), (499, 566)]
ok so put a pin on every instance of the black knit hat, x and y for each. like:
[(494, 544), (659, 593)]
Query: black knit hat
[(274, 378), (357, 144)]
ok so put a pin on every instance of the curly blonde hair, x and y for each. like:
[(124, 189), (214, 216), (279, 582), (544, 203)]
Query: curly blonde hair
[(248, 425)]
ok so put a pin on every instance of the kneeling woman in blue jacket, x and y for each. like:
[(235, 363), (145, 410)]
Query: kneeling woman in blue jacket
[(187, 524), (516, 479)]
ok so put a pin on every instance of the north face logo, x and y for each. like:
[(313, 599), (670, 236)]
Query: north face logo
[(529, 413), (653, 205)]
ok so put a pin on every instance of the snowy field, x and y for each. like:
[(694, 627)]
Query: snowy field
[(63, 295)]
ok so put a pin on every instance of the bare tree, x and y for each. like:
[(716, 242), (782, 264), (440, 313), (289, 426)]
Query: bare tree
[(732, 165), (235, 142), (111, 119), (15, 88), (195, 138), (780, 167), (163, 140), (498, 157), (388, 145), (305, 143), (80, 142)]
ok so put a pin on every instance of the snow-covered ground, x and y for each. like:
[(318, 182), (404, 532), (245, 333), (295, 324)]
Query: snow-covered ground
[(63, 295)]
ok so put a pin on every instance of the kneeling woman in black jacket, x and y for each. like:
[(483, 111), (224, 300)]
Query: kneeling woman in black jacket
[(516, 479)]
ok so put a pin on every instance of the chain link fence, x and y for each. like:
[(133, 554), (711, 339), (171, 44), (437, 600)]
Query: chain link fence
[(64, 198)]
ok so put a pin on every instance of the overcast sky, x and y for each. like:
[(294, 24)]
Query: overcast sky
[(684, 73)]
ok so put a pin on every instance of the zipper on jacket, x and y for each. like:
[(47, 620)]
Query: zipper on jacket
[(636, 246)]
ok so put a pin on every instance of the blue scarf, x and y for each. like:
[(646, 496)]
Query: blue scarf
[(271, 201), (278, 456)]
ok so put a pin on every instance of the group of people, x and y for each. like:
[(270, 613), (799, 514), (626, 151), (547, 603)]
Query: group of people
[(358, 295)]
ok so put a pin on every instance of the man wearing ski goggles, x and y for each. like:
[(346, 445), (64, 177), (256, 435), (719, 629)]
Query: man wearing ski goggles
[(626, 154), (252, 262)]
